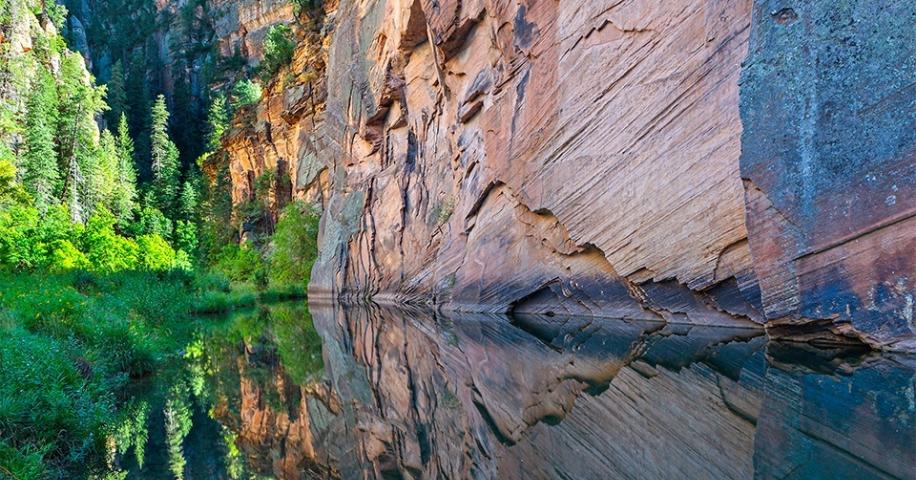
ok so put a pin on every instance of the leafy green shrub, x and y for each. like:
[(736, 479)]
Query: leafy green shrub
[(278, 50), (295, 246), (155, 253), (241, 263), (245, 93), (65, 256), (106, 250)]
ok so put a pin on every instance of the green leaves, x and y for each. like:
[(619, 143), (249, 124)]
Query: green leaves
[(295, 246), (40, 175), (278, 50), (245, 93), (164, 157)]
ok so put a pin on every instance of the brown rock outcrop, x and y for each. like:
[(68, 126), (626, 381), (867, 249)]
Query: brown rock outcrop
[(491, 177), (278, 135), (242, 26)]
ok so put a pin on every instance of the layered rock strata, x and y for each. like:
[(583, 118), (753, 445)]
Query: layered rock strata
[(692, 162)]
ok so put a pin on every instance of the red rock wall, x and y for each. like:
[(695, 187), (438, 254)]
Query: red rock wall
[(542, 151), (553, 157)]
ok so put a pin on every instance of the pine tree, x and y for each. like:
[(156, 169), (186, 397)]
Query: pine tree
[(100, 174), (164, 159), (245, 93), (124, 199), (189, 200), (40, 174), (77, 133), (138, 109), (117, 95), (217, 122)]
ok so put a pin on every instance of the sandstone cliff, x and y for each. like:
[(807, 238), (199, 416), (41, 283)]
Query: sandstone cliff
[(733, 163)]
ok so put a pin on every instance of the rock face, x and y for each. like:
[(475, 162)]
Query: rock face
[(279, 134), (829, 163), (600, 158), (242, 26)]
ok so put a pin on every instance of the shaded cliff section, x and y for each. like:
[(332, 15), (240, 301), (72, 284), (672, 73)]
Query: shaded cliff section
[(728, 163)]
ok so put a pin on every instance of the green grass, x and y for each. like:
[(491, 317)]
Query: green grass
[(242, 296), (74, 343)]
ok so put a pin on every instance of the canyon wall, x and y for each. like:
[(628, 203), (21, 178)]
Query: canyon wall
[(727, 162)]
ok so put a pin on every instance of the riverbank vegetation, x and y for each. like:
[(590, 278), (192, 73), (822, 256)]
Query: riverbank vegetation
[(113, 242)]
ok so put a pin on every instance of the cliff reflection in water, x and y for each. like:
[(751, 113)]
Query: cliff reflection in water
[(411, 394)]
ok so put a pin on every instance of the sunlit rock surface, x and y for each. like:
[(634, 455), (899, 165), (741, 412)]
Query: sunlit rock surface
[(684, 161)]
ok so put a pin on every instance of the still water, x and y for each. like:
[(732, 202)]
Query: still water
[(343, 392)]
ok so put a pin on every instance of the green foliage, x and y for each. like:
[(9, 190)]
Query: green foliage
[(80, 102), (28, 239), (56, 13), (10, 190), (295, 246), (40, 175), (124, 196), (245, 93), (102, 174), (71, 345), (155, 253), (117, 95), (189, 201), (186, 236), (106, 250), (151, 220), (217, 122), (278, 50), (241, 263), (164, 157), (216, 207)]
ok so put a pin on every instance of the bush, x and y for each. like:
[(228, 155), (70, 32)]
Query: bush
[(295, 246), (105, 250), (278, 50), (241, 263), (245, 93), (155, 253)]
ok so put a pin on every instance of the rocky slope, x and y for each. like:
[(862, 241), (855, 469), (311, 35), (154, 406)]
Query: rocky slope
[(732, 163)]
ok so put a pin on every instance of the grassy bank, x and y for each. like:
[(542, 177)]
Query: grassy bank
[(75, 344)]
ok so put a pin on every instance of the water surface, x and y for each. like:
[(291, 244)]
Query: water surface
[(287, 392)]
